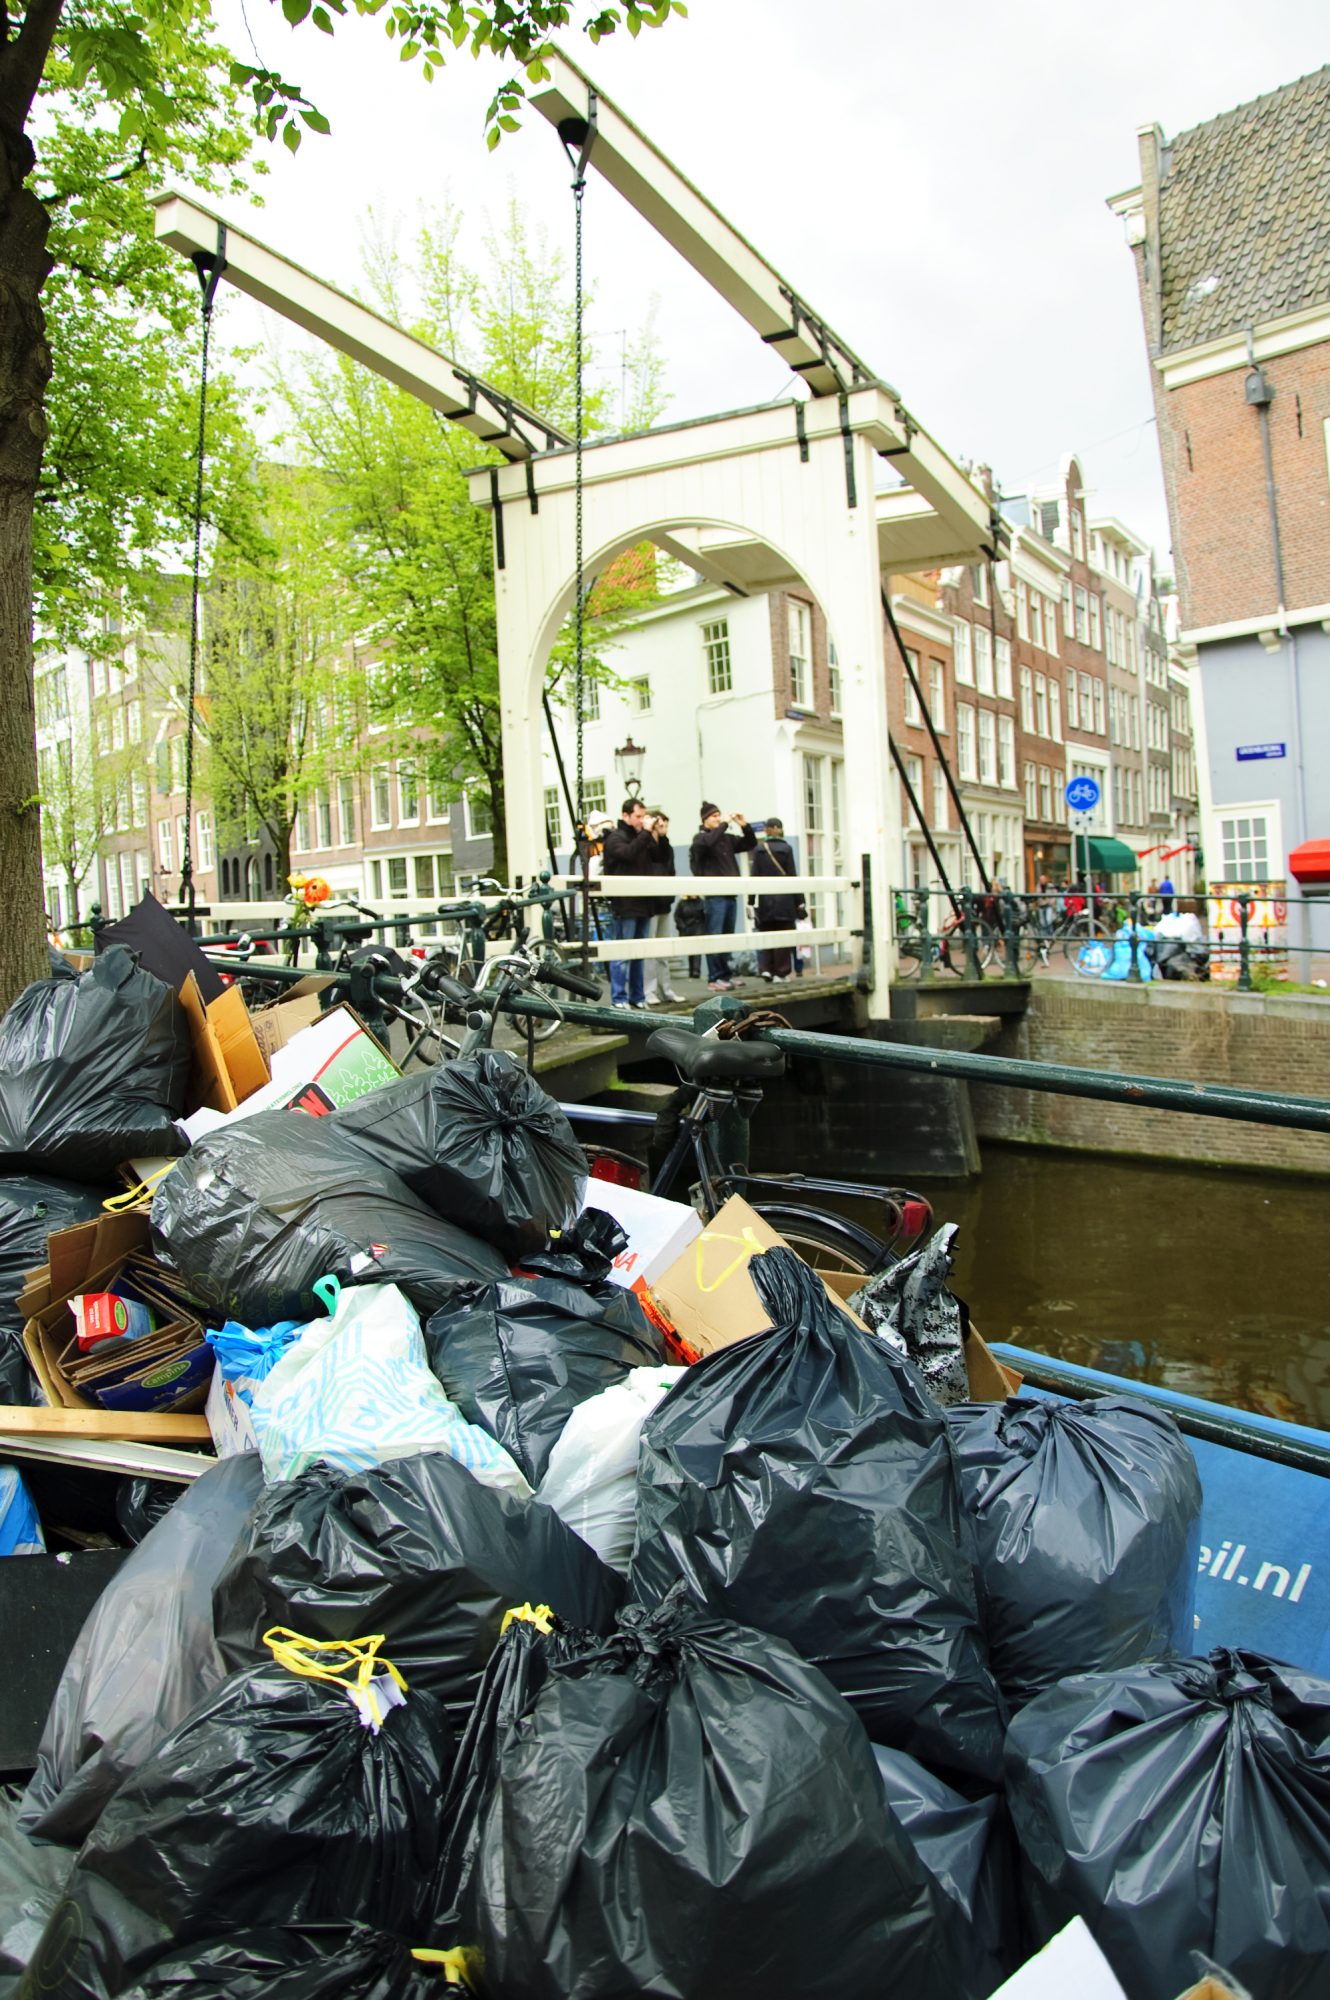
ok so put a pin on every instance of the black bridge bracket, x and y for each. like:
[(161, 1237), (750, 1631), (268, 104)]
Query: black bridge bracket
[(497, 504), (209, 266), (851, 494), (801, 426)]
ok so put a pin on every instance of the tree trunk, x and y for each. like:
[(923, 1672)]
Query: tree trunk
[(499, 864), (25, 369)]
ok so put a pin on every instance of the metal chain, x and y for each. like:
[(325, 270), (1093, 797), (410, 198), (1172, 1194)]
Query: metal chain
[(187, 845), (579, 189)]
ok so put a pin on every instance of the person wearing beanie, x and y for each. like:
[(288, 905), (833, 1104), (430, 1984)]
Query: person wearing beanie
[(714, 852), (628, 851)]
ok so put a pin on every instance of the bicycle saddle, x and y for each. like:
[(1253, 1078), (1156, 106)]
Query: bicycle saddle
[(700, 1060)]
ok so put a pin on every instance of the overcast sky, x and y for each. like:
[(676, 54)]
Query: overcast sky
[(932, 180)]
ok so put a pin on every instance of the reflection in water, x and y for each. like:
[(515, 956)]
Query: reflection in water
[(1205, 1280)]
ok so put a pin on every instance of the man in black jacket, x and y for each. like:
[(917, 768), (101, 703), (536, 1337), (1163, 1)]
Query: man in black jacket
[(656, 971), (628, 850), (776, 913), (713, 852)]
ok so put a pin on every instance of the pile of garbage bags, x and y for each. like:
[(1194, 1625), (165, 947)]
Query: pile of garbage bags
[(503, 1656)]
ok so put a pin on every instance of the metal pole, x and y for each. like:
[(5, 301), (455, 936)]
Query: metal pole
[(973, 969), (933, 737), (866, 918), (1244, 945), (1133, 970)]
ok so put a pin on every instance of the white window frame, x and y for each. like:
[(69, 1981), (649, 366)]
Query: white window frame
[(203, 839), (639, 694), (472, 803), (381, 775), (914, 715), (1007, 752), (988, 764), (1266, 810), (1055, 708), (799, 636), (967, 754), (961, 654), (1004, 668), (716, 654), (937, 695), (408, 789), (1041, 705), (1027, 700), (553, 817)]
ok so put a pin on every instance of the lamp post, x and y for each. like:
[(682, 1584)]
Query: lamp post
[(628, 761)]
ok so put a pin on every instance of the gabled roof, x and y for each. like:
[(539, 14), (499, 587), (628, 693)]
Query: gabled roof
[(1244, 215)]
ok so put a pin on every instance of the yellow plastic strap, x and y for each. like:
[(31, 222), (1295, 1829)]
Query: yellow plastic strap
[(749, 1247), (456, 1965), (347, 1663), (139, 1195), (530, 1614)]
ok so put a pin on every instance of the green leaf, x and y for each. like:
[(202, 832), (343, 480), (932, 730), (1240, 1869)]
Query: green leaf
[(492, 137), (295, 11), (322, 20), (315, 119)]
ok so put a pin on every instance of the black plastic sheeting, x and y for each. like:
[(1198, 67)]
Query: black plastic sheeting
[(293, 1962), (32, 1881), (689, 1809), (263, 1208), (417, 1550), (966, 1845), (1182, 1807), (141, 1503), (482, 1145), (93, 1071), (272, 1796), (584, 1251), (517, 1358), (145, 1656), (803, 1481), (1087, 1518), (31, 1209)]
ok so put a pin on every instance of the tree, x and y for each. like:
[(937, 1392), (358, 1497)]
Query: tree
[(415, 553), (83, 800), (131, 59), (279, 697)]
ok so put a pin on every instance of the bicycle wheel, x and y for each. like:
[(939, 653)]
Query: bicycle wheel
[(828, 1242), (909, 947)]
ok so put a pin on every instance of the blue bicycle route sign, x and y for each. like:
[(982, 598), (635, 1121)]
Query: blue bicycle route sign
[(1082, 795)]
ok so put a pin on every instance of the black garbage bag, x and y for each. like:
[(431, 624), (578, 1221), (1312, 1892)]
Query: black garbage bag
[(966, 1846), (417, 1550), (294, 1962), (584, 1251), (145, 1657), (517, 1358), (31, 1209), (93, 1071), (686, 1809), (482, 1145), (141, 1503), (1087, 1519), (262, 1209), (280, 1798), (803, 1481), (1182, 1806), (32, 1880)]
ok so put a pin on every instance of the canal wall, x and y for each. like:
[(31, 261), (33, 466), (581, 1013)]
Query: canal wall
[(1195, 1033)]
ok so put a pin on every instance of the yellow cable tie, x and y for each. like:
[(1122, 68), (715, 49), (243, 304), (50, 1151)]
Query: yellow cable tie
[(539, 1615), (139, 1195), (456, 1964), (361, 1665)]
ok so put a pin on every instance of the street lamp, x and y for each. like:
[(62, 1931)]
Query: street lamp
[(628, 761)]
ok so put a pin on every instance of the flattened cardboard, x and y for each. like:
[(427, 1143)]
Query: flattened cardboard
[(274, 1026), (707, 1295), (229, 1065)]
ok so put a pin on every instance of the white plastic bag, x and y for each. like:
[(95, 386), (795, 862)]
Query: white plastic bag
[(591, 1479), (356, 1390)]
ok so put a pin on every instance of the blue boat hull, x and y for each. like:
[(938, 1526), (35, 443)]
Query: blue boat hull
[(1264, 1580)]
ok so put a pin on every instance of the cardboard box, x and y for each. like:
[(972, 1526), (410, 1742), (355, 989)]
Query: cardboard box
[(88, 1258), (990, 1381), (707, 1295), (658, 1231), (330, 1062), (229, 1065), (228, 1419), (275, 1026)]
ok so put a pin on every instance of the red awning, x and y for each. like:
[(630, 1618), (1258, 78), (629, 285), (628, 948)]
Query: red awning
[(1310, 863)]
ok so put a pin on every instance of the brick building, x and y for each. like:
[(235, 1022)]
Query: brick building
[(985, 760), (928, 635), (1230, 231)]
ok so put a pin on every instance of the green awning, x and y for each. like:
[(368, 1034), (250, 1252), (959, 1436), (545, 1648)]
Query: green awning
[(1109, 857)]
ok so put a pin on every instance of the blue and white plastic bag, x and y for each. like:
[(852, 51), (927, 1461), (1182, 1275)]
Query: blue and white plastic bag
[(20, 1528)]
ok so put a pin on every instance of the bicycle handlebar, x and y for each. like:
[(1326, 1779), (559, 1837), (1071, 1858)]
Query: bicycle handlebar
[(576, 983)]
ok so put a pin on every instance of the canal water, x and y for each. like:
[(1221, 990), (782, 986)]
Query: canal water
[(1209, 1281)]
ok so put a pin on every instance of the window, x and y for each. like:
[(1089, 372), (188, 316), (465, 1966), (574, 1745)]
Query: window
[(1054, 710), (1100, 729), (299, 838), (639, 695), (122, 820), (1087, 702), (323, 817), (1031, 792), (964, 671), (937, 695), (553, 817), (1040, 705), (913, 713), (346, 810), (799, 625), (98, 673), (1073, 705), (379, 700), (983, 659), (1027, 699), (965, 742), (1096, 622), (1049, 513), (1022, 610), (436, 800), (1082, 614), (134, 720), (1112, 622), (1050, 627), (1078, 534), (716, 647), (422, 868), (1068, 621), (1119, 811), (590, 701), (164, 844), (1036, 631), (1045, 793), (203, 836), (177, 753), (987, 747), (1007, 752), (118, 728), (833, 676), (941, 798), (138, 801), (979, 583), (1059, 800), (408, 795), (1004, 668), (103, 733), (594, 796), (380, 797), (914, 771), (397, 875), (479, 818), (180, 836)]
